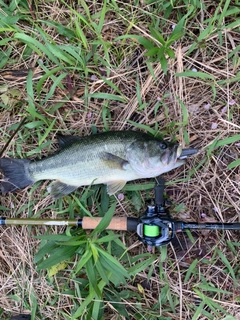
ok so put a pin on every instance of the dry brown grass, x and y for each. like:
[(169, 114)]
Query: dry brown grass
[(213, 189)]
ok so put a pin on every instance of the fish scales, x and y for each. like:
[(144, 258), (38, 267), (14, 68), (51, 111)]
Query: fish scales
[(83, 161)]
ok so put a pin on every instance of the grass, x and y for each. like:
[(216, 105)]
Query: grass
[(170, 68)]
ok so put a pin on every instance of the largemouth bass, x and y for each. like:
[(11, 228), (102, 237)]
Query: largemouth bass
[(111, 158)]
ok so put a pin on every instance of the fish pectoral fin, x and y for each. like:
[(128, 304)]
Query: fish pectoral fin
[(114, 161), (66, 141), (114, 186), (58, 189)]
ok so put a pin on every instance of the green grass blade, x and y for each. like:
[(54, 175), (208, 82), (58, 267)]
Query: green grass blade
[(228, 140), (191, 270), (138, 267), (57, 83), (228, 265), (48, 130), (60, 54), (48, 74), (106, 96), (38, 47), (199, 310), (234, 164), (200, 75)]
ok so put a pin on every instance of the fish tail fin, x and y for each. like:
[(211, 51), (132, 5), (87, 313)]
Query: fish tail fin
[(16, 174)]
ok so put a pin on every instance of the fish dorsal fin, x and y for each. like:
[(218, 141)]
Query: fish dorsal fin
[(114, 161), (66, 141), (58, 189), (114, 186)]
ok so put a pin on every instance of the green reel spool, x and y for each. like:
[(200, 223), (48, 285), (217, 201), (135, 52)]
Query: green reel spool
[(151, 231)]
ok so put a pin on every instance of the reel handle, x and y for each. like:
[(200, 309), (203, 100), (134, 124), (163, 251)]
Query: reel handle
[(159, 193)]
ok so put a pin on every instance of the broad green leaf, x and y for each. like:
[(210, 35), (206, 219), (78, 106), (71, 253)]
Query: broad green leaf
[(170, 53), (56, 256), (104, 274), (35, 114), (7, 21), (178, 30), (104, 10), (83, 260), (97, 310), (44, 250), (148, 44), (157, 35), (92, 277), (114, 266), (152, 52), (94, 250), (105, 220)]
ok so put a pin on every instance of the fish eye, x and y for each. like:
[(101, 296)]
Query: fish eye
[(163, 145)]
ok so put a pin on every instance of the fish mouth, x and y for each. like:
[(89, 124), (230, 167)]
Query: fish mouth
[(177, 153), (172, 154), (185, 153)]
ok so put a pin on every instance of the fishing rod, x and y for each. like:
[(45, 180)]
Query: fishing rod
[(155, 228)]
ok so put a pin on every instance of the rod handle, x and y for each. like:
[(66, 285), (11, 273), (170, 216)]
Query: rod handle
[(117, 223)]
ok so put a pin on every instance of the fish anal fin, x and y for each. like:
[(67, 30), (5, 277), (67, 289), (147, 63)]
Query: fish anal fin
[(114, 186), (58, 189), (66, 140), (114, 161)]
